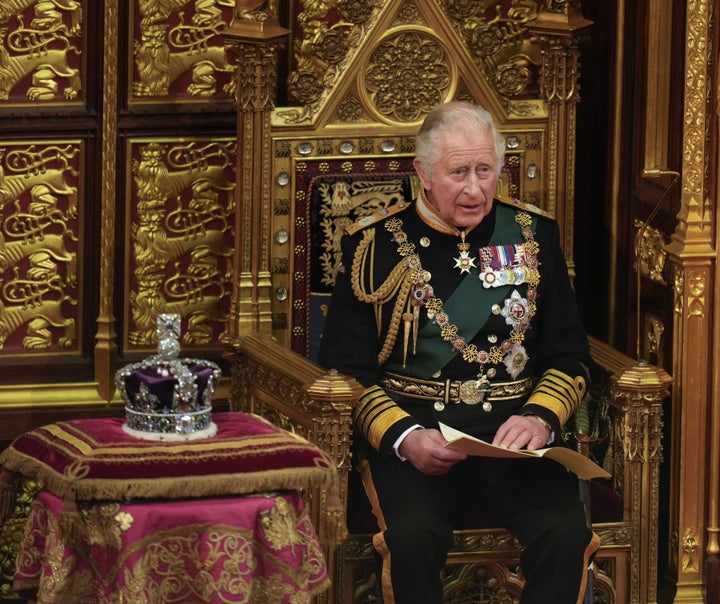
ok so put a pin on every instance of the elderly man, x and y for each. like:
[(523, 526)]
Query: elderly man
[(458, 309)]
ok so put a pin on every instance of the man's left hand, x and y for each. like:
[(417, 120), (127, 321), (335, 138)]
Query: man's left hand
[(522, 431)]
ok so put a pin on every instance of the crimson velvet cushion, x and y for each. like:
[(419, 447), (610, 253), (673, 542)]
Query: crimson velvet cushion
[(91, 459)]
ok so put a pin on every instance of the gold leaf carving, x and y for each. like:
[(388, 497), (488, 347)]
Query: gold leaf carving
[(690, 551), (408, 75), (47, 49), (169, 48), (38, 257), (651, 254), (180, 237)]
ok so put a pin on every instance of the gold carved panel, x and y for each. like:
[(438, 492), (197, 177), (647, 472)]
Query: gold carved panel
[(178, 51), (408, 72), (41, 52), (178, 237), (414, 63), (41, 301)]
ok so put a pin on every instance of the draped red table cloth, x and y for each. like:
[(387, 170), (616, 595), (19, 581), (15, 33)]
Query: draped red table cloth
[(235, 549), (125, 520)]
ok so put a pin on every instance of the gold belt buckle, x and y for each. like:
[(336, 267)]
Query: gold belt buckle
[(472, 392)]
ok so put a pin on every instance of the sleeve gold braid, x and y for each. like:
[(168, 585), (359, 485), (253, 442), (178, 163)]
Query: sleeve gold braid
[(375, 414), (559, 393)]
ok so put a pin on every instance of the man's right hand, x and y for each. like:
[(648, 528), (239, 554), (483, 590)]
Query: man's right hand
[(425, 449)]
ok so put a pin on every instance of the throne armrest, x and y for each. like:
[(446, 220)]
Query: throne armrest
[(298, 395)]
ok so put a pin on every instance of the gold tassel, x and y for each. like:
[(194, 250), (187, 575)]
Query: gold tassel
[(416, 325), (8, 495), (333, 527), (407, 320), (69, 522)]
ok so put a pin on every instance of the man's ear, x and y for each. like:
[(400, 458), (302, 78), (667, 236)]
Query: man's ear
[(422, 174)]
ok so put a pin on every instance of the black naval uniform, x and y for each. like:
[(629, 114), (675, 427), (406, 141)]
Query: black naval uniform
[(378, 331)]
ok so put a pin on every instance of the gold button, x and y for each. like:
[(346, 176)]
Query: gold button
[(487, 406), (425, 241), (496, 309), (439, 406)]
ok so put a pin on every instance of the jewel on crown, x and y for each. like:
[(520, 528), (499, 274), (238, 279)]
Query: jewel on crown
[(168, 398)]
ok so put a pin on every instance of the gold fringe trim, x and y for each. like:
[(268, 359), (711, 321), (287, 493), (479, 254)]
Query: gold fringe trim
[(170, 487)]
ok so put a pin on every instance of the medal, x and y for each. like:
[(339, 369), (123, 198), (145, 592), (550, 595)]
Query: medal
[(464, 262), (516, 311)]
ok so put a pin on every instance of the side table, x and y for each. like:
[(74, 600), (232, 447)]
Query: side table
[(126, 520)]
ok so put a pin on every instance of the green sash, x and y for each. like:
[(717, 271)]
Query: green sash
[(469, 306)]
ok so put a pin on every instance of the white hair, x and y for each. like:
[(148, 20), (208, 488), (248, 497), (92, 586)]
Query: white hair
[(455, 115)]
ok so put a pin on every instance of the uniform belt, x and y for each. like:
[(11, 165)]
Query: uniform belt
[(454, 391)]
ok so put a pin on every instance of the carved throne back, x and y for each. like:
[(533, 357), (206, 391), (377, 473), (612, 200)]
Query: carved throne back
[(363, 76)]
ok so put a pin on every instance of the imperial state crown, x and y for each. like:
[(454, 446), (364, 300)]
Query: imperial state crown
[(168, 398)]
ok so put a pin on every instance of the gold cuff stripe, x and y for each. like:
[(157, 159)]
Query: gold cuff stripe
[(376, 414), (370, 415), (382, 424), (559, 393), (369, 402)]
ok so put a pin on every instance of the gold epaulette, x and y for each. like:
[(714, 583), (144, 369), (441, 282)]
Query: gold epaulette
[(527, 207), (367, 221)]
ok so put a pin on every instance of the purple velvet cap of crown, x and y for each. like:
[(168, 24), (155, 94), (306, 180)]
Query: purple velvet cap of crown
[(152, 389), (165, 396)]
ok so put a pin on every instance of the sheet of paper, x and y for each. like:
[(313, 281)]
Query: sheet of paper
[(575, 462)]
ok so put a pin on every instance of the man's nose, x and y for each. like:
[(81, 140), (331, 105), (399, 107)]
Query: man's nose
[(473, 183)]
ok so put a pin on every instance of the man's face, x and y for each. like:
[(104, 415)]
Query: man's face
[(464, 179)]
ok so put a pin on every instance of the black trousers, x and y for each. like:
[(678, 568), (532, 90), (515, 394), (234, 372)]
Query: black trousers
[(535, 499)]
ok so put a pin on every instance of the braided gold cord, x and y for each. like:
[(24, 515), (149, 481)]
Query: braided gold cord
[(384, 292), (394, 328), (397, 285)]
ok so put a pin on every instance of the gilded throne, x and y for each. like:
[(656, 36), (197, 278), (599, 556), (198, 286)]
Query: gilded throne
[(363, 75)]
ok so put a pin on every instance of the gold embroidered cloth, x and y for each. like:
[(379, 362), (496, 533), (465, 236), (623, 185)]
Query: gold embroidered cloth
[(258, 549)]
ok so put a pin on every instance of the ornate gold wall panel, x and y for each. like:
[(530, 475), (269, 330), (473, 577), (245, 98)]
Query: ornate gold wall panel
[(178, 240), (177, 51), (41, 297), (94, 238), (42, 45)]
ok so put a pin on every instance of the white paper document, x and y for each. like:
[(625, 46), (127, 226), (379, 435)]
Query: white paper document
[(572, 460)]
